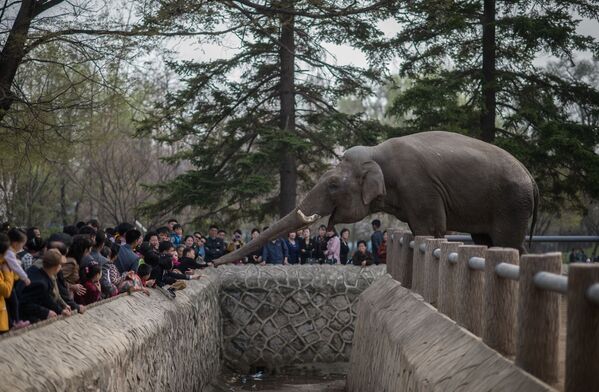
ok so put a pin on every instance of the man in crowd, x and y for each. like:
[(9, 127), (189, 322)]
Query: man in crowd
[(215, 246), (177, 234), (376, 239), (320, 244), (127, 260), (275, 252)]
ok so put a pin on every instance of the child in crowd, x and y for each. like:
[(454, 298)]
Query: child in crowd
[(114, 276), (132, 282), (90, 279), (17, 240), (188, 261), (6, 283)]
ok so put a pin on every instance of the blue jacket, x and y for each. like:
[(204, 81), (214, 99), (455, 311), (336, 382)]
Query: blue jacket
[(274, 252), (294, 251), (126, 260)]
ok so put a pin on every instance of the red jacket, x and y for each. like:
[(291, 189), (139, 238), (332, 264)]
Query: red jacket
[(92, 294)]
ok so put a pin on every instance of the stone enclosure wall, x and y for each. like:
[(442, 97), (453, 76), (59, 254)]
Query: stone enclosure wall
[(134, 343), (404, 344), (275, 316)]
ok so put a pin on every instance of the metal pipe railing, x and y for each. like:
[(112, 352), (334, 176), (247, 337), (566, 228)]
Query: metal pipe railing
[(477, 263), (508, 271), (592, 293)]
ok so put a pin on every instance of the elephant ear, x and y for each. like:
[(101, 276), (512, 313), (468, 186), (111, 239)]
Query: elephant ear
[(373, 182)]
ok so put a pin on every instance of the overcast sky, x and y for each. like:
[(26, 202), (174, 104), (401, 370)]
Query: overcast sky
[(344, 54)]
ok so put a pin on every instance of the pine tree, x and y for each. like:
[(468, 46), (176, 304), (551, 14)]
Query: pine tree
[(263, 122), (474, 66)]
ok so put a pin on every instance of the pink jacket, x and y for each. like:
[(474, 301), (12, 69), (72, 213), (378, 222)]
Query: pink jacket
[(333, 248)]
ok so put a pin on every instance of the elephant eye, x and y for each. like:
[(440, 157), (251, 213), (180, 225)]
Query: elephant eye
[(333, 187)]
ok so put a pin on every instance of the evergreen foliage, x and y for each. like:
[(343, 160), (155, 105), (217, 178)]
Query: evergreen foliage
[(546, 117), (263, 122)]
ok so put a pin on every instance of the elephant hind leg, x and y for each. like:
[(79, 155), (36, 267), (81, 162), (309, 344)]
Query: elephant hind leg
[(482, 239)]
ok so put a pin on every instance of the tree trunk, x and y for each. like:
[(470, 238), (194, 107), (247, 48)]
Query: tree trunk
[(488, 83), (63, 201), (13, 52), (287, 168)]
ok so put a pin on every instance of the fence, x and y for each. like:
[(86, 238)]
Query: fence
[(510, 301)]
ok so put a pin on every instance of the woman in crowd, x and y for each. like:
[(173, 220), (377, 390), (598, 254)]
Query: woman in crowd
[(293, 247), (256, 256), (382, 251), (306, 247), (7, 278), (362, 257), (17, 239), (332, 251), (344, 246), (90, 279)]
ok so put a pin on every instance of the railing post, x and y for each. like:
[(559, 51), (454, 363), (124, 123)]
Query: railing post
[(499, 309), (431, 270), (447, 280), (418, 265), (538, 319), (393, 252), (469, 290), (582, 345), (406, 258)]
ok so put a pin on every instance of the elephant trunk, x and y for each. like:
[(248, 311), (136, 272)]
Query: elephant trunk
[(295, 220)]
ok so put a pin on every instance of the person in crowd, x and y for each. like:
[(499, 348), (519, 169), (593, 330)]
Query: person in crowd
[(320, 244), (144, 272), (344, 246), (177, 234), (88, 231), (189, 242), (66, 298), (164, 234), (95, 256), (163, 271), (90, 279), (236, 243), (332, 253), (113, 275), (215, 245), (7, 278), (362, 257), (170, 225), (17, 239), (34, 249), (275, 252), (39, 300), (121, 232), (70, 230), (199, 245), (293, 247), (94, 223), (79, 225), (109, 234), (132, 282), (180, 249), (188, 260), (256, 256), (382, 252), (80, 248), (306, 246), (151, 238), (222, 234), (376, 239), (127, 259)]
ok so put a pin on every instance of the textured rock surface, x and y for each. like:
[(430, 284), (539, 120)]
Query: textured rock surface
[(274, 316), (404, 344), (135, 343)]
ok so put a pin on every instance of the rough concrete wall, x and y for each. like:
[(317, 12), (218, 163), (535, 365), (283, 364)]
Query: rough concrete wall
[(275, 316), (404, 344), (135, 343)]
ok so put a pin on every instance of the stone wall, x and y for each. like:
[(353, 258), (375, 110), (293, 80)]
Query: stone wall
[(134, 343), (275, 316), (404, 344)]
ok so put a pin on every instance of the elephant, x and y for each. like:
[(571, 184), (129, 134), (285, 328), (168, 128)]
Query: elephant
[(434, 181)]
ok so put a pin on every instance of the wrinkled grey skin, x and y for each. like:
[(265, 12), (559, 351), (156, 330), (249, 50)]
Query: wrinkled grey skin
[(434, 181)]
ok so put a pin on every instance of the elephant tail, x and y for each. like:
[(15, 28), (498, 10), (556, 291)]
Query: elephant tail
[(535, 210)]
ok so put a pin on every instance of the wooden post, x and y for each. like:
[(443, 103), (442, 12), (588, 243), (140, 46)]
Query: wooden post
[(469, 290), (582, 345), (538, 319), (431, 270), (418, 265), (406, 257), (447, 280), (393, 252), (500, 302)]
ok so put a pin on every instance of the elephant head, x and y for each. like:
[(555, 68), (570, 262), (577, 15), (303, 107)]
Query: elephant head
[(344, 193)]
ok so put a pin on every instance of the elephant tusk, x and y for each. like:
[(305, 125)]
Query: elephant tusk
[(307, 219)]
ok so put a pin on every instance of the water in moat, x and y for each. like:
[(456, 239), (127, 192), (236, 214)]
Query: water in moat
[(329, 380)]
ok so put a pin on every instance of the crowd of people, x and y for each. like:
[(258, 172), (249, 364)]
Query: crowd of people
[(67, 271)]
